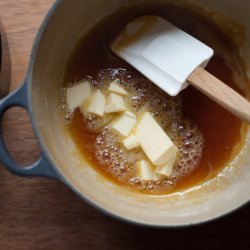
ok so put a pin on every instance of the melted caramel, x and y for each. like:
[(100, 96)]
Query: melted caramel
[(224, 134)]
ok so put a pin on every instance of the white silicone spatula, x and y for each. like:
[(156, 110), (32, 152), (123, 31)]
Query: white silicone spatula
[(172, 59)]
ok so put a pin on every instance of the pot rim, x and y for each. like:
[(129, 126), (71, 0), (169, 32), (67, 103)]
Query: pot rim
[(64, 179)]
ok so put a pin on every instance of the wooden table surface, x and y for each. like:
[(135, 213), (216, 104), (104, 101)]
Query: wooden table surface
[(40, 213)]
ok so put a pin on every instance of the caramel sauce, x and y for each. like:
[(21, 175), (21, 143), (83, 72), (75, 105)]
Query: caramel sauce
[(224, 134)]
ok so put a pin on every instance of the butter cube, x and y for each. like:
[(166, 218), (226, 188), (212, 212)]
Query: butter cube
[(154, 141), (125, 123), (114, 87), (115, 104), (130, 114), (130, 142), (97, 103), (145, 170), (166, 168), (77, 94)]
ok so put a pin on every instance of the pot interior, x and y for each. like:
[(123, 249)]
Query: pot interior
[(67, 23)]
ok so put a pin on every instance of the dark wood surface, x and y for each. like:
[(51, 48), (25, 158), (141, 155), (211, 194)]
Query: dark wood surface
[(40, 213)]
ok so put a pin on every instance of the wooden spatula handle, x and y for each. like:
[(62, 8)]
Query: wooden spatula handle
[(220, 93)]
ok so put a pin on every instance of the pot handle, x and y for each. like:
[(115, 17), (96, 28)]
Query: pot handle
[(39, 168)]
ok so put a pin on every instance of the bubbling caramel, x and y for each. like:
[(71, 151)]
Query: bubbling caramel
[(119, 162), (208, 137)]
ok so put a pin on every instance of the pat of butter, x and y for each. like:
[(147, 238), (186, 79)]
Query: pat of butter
[(166, 168), (97, 103), (130, 114), (125, 123), (154, 141), (114, 87), (130, 142), (115, 104), (77, 94), (145, 170)]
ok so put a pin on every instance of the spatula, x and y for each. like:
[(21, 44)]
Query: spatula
[(172, 59)]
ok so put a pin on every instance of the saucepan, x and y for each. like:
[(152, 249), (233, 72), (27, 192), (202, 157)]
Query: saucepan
[(64, 25)]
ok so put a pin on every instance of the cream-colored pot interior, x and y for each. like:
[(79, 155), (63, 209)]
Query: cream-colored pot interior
[(217, 197)]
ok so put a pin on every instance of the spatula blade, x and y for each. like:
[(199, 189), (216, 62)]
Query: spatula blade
[(162, 52)]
